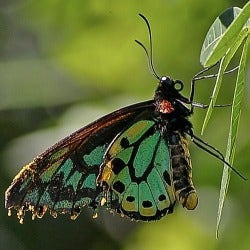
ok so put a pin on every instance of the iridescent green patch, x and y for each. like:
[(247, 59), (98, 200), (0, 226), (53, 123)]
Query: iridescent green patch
[(63, 205), (49, 172), (145, 154), (96, 156), (25, 183), (74, 180), (90, 182), (45, 199), (129, 136), (65, 169), (32, 196)]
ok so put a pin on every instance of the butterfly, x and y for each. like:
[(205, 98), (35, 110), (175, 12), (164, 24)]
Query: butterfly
[(134, 161)]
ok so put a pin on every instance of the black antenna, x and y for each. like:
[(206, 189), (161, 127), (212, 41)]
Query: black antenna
[(150, 54)]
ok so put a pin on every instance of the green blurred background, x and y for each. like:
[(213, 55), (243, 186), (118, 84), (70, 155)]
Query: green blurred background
[(64, 64)]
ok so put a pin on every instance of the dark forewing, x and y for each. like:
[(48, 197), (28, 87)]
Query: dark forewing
[(63, 178)]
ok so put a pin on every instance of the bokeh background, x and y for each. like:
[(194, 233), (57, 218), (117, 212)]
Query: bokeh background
[(64, 64)]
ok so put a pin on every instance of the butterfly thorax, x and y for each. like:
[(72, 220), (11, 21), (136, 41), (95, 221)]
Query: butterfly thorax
[(170, 110)]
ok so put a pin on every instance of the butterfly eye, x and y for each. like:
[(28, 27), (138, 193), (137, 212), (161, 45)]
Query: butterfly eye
[(165, 79), (178, 85)]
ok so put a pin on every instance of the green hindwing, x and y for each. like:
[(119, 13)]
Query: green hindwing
[(137, 169)]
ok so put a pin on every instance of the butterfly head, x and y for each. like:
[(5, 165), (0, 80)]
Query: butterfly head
[(168, 97), (168, 89), (170, 84)]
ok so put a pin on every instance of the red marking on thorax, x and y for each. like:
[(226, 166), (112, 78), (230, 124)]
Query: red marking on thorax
[(166, 107)]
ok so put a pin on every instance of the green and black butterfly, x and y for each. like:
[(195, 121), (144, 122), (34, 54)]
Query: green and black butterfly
[(134, 161)]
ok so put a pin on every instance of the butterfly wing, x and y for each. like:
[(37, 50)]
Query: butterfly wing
[(63, 178), (137, 168), (148, 168)]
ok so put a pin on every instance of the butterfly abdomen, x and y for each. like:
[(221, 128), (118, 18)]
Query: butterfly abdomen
[(182, 171)]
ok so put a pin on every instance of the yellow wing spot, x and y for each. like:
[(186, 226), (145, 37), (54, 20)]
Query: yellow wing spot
[(44, 209), (24, 170), (20, 215), (74, 216), (9, 212), (129, 206), (53, 214), (103, 201), (133, 133), (106, 173), (95, 215)]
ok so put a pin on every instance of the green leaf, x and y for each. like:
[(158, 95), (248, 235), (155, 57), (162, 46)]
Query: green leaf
[(223, 34), (223, 65), (234, 124)]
